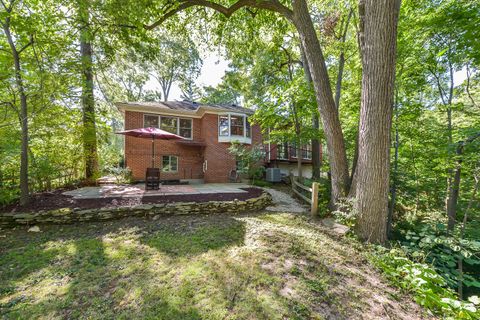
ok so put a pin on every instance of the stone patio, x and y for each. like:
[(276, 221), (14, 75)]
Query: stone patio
[(138, 190)]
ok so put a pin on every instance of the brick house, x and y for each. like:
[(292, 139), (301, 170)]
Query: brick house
[(207, 129)]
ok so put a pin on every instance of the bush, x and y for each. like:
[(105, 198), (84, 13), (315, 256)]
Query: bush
[(261, 183), (435, 246), (122, 175), (346, 213), (422, 280), (249, 159)]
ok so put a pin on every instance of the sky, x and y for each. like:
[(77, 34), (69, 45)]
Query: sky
[(213, 69)]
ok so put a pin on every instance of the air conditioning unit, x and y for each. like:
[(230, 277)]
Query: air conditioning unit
[(274, 175)]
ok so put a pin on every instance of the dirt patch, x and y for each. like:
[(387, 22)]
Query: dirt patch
[(56, 200)]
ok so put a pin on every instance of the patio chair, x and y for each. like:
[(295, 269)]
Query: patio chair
[(152, 179)]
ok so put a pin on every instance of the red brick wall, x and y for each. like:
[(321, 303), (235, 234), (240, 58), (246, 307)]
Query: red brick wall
[(138, 152), (190, 158)]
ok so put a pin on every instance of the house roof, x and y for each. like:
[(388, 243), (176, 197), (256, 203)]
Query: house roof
[(181, 107)]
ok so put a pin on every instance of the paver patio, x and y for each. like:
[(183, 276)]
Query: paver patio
[(138, 190)]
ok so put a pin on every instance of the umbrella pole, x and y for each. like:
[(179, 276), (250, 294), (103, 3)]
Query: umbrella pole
[(153, 151)]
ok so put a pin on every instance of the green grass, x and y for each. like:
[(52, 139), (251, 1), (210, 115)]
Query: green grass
[(267, 266)]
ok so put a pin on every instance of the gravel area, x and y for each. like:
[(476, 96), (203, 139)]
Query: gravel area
[(284, 202)]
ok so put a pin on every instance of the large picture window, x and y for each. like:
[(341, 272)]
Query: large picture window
[(169, 163), (234, 127), (180, 126)]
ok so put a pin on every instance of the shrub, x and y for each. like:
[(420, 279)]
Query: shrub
[(122, 175), (443, 251), (248, 159), (346, 213), (261, 183), (422, 280)]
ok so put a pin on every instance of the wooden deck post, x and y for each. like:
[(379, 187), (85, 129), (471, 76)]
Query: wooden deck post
[(314, 209)]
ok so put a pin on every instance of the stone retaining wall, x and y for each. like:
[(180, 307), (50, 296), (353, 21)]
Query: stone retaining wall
[(67, 215)]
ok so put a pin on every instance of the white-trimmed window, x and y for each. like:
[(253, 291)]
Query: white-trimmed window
[(234, 126), (169, 163), (179, 126)]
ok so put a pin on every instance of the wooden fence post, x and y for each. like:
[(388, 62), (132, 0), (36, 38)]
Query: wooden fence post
[(314, 208)]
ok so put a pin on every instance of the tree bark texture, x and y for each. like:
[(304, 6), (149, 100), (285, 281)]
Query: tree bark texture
[(326, 104), (379, 29), (88, 99)]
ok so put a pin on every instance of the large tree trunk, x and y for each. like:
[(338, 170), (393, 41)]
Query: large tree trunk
[(379, 30), (88, 100), (23, 114), (323, 92)]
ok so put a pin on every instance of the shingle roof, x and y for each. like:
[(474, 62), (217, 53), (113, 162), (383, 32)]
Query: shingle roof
[(187, 106)]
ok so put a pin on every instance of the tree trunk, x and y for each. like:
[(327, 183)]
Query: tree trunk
[(315, 151), (315, 124), (353, 178), (453, 191), (299, 163), (379, 19), (23, 114), (341, 62), (88, 100), (323, 93)]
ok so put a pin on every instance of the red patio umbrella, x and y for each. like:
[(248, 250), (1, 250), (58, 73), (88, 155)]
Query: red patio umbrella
[(151, 133)]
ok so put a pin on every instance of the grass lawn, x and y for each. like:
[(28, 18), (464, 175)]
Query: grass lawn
[(258, 266)]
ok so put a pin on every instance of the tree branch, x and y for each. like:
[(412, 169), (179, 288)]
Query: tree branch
[(468, 87), (271, 5), (27, 45)]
